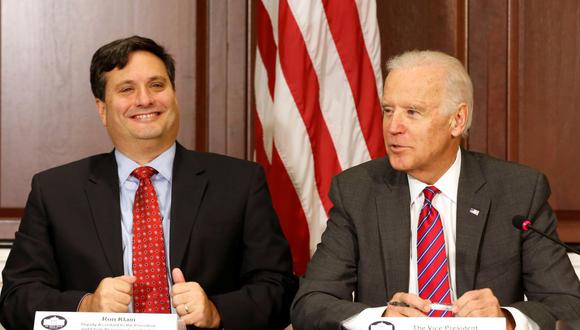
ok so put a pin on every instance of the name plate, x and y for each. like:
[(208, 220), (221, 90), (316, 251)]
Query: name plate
[(104, 321), (434, 323)]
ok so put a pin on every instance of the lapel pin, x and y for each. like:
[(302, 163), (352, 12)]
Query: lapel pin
[(474, 211)]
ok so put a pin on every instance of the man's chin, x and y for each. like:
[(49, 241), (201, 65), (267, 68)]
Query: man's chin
[(150, 133), (398, 164), (149, 137)]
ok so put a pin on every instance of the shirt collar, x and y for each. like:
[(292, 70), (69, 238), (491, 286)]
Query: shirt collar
[(162, 163), (448, 183)]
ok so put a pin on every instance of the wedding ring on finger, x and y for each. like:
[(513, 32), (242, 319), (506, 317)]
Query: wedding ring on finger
[(186, 308)]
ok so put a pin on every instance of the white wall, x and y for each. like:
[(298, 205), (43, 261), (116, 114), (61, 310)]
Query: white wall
[(3, 256), (575, 259)]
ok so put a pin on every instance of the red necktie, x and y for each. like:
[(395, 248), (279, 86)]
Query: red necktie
[(432, 263), (150, 291)]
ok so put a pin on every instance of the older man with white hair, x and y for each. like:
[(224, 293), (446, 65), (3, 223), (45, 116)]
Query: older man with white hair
[(428, 230)]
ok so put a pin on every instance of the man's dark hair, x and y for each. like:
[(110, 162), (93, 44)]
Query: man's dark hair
[(116, 55)]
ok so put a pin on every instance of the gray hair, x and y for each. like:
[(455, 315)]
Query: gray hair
[(458, 87)]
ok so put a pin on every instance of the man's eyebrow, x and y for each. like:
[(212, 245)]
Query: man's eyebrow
[(123, 82), (131, 81), (158, 77)]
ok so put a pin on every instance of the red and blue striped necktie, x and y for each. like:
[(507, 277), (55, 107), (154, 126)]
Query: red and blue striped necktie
[(432, 262)]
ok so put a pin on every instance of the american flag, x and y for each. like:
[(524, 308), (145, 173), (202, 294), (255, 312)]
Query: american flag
[(317, 83)]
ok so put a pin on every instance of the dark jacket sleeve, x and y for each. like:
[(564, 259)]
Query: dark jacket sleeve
[(325, 296), (235, 250), (31, 278), (267, 285), (549, 280)]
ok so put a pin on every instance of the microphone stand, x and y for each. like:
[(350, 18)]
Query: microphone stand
[(569, 248)]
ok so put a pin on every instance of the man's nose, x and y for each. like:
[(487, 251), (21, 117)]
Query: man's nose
[(144, 97), (393, 123)]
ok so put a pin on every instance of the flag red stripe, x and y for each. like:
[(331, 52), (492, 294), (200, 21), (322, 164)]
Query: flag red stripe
[(285, 200), (286, 203), (266, 44), (303, 84), (290, 212), (284, 54), (345, 27)]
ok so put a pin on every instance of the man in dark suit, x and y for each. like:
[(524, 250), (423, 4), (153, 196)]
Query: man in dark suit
[(434, 208), (222, 258)]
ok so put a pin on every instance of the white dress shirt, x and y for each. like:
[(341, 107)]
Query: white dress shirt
[(446, 203), (128, 185)]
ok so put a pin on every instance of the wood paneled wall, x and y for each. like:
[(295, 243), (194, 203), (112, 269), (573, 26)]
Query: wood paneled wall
[(226, 79), (521, 55), (406, 25), (545, 114)]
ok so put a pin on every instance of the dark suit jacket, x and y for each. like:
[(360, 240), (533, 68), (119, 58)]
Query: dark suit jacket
[(224, 234), (365, 248)]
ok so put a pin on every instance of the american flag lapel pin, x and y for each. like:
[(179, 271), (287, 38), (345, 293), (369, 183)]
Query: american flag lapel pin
[(474, 211)]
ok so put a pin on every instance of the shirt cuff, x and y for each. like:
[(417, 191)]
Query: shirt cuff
[(80, 301), (523, 322), (361, 319)]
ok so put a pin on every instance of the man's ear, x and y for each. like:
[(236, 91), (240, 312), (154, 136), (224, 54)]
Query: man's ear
[(102, 108), (458, 121)]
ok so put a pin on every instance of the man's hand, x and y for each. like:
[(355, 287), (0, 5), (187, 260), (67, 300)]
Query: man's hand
[(481, 303), (417, 306), (112, 295), (192, 304)]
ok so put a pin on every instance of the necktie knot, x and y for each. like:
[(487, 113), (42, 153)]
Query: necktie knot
[(143, 172), (429, 192)]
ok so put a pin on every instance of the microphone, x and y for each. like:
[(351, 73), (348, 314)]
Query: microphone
[(525, 224)]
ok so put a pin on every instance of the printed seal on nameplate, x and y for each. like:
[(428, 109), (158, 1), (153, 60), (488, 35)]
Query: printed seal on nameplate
[(44, 320)]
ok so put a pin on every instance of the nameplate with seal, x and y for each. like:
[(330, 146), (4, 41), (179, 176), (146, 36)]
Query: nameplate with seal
[(104, 321), (434, 323)]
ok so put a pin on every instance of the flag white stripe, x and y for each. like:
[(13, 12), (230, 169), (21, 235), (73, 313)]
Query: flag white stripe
[(264, 106), (289, 133), (367, 11), (281, 120), (272, 9), (293, 145), (336, 100)]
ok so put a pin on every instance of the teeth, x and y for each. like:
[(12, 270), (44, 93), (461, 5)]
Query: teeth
[(145, 116)]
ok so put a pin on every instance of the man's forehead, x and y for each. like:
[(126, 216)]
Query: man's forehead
[(140, 65), (418, 86), (417, 78), (431, 73)]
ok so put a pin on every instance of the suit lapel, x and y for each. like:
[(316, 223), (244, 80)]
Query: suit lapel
[(473, 205), (394, 224), (188, 188), (102, 192)]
